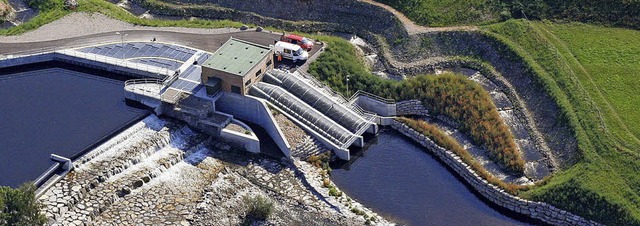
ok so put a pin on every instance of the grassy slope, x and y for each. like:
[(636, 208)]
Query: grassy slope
[(445, 13), (620, 13), (56, 11), (590, 71)]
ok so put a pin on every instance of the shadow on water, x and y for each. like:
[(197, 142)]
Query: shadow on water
[(56, 108), (398, 179)]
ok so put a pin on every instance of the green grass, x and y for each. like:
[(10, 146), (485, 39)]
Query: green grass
[(453, 95), (55, 11), (622, 13), (446, 12), (592, 73)]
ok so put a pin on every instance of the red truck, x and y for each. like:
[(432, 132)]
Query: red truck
[(303, 42)]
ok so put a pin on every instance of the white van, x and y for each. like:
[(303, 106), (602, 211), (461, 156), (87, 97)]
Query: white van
[(290, 51)]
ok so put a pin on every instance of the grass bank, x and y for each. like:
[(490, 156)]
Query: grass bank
[(449, 143), (453, 95), (53, 10), (591, 73), (622, 13), (448, 12)]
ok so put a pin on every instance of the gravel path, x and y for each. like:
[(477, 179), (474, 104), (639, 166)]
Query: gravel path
[(411, 27), (82, 24)]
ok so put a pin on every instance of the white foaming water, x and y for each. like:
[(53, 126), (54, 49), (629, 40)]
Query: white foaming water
[(148, 127), (138, 131), (174, 151), (184, 173)]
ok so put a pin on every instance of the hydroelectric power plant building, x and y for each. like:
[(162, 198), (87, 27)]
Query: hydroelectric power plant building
[(237, 84), (236, 66)]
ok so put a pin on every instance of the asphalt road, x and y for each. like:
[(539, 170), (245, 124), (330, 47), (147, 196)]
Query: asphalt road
[(208, 42)]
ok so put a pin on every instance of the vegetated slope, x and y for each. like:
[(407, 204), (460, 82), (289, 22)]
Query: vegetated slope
[(447, 12), (623, 13), (590, 72), (51, 10), (453, 95)]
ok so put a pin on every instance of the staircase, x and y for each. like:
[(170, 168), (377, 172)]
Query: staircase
[(307, 148)]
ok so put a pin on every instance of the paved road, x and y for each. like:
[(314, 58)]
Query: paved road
[(208, 42)]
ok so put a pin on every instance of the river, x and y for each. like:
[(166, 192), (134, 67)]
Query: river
[(407, 185)]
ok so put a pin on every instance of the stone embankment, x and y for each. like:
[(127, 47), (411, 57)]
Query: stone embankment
[(536, 210), (411, 107)]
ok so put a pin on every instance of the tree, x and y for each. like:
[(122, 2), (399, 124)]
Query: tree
[(19, 206)]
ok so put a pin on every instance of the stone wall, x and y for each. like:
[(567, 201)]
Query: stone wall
[(411, 107), (536, 210)]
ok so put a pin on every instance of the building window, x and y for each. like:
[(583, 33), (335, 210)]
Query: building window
[(247, 82), (258, 73), (269, 63), (235, 89)]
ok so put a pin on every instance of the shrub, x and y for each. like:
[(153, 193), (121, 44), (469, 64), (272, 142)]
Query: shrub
[(20, 207), (334, 192), (259, 207)]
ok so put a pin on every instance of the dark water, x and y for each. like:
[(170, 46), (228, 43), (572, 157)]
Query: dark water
[(399, 180), (55, 108)]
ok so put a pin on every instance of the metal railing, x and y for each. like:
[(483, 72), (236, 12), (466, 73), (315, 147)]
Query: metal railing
[(133, 85), (301, 118), (367, 115), (324, 88), (117, 62), (372, 96)]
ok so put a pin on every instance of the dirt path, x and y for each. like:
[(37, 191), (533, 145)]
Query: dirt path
[(411, 27)]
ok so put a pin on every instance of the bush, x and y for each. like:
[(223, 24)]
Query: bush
[(20, 207), (259, 207), (334, 192)]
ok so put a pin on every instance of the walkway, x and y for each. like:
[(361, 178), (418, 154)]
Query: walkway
[(411, 27)]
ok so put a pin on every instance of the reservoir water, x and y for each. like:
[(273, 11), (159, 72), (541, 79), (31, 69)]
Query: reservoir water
[(407, 185), (53, 108)]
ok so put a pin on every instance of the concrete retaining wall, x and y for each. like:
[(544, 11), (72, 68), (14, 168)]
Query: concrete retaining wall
[(256, 111), (105, 66), (376, 106), (536, 210), (249, 142), (30, 59)]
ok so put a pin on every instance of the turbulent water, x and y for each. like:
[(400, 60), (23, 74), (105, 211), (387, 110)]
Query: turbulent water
[(48, 109), (399, 180)]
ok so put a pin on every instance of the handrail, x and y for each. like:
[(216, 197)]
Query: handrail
[(323, 87), (372, 96), (301, 118)]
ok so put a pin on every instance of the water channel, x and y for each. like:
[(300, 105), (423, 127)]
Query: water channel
[(53, 108), (407, 185)]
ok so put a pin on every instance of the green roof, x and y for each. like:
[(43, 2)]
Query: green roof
[(237, 57)]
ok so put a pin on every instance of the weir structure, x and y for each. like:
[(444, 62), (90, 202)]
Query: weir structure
[(209, 90), (235, 84)]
